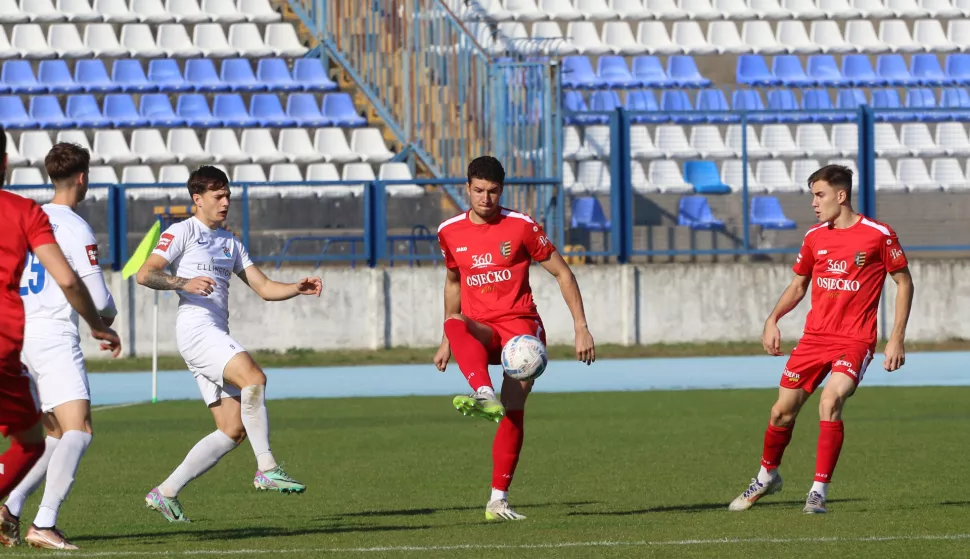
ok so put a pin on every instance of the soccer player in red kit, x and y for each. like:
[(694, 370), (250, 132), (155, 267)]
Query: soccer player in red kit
[(845, 260), (488, 301), (27, 237)]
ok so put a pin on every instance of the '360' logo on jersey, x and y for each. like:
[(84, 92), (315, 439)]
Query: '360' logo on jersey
[(481, 260)]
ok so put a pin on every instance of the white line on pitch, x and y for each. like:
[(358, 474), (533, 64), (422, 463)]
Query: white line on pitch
[(116, 406)]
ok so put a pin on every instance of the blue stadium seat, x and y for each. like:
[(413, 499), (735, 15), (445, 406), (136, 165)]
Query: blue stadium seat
[(238, 74), (274, 73), (892, 70), (815, 100), (919, 98), (958, 68), (93, 77), (850, 99), (158, 110), (766, 212), (13, 114), (303, 109), (928, 72), (788, 69), (644, 108), (784, 102), (574, 102), (18, 77), (858, 71), (715, 101), (267, 109), (753, 70), (195, 110), (678, 103), (340, 109), (613, 72), (84, 111), (955, 98), (56, 78), (120, 109), (201, 74), (695, 212), (650, 72), (577, 73), (46, 111), (888, 99), (684, 73), (230, 110), (604, 101), (824, 72), (750, 100), (587, 213), (705, 177), (131, 76), (312, 75), (165, 74)]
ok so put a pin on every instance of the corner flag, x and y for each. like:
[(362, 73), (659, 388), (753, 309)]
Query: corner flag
[(145, 248)]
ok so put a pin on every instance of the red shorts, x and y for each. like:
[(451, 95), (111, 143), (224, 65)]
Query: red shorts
[(812, 360), (505, 330)]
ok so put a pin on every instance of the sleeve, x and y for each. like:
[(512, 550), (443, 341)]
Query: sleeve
[(805, 260), (242, 257), (82, 249), (539, 246), (172, 243), (37, 227), (892, 253), (100, 294), (446, 252)]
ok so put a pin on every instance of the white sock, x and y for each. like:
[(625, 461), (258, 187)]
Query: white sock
[(60, 476), (204, 455), (821, 488), (256, 421), (766, 476), (30, 483), (498, 495)]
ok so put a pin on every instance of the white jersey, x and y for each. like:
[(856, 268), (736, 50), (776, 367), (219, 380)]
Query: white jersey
[(194, 250), (46, 308)]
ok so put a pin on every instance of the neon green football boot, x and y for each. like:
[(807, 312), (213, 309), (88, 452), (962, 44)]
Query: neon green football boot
[(482, 404)]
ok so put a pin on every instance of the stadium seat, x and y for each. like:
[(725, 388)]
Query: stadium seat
[(84, 111), (955, 98), (150, 148), (201, 76), (958, 32), (65, 40), (184, 143), (6, 49), (766, 213), (114, 11), (225, 12), (643, 105), (612, 71), (135, 175), (777, 139), (80, 138), (618, 37), (157, 109), (823, 71), (101, 40), (524, 10), (29, 40), (259, 144), (641, 144), (194, 109), (286, 172), (331, 146), (173, 174), (259, 11), (273, 73), (595, 10), (248, 173), (759, 36), (568, 176), (735, 10), (340, 109), (26, 176), (230, 110), (916, 137), (667, 177), (930, 35), (238, 74), (140, 42), (671, 140), (352, 172), (574, 105), (886, 178), (784, 105), (695, 212), (246, 40), (655, 39), (895, 34), (912, 173), (872, 9), (34, 147), (801, 169), (787, 69), (725, 38), (750, 100), (593, 177), (828, 37), (151, 11), (700, 10), (926, 70), (211, 40), (887, 142), (572, 146), (597, 141), (850, 99), (639, 181), (312, 75), (10, 12), (164, 73), (684, 73), (678, 103), (845, 139), (587, 213), (892, 70), (733, 139), (113, 149), (45, 111), (752, 70), (268, 111), (888, 99), (399, 172), (732, 175), (17, 76), (923, 101), (793, 36), (715, 106), (303, 110), (322, 172), (771, 176), (54, 77), (282, 38), (577, 72), (186, 11), (13, 114), (705, 178), (561, 10), (858, 71), (958, 68), (583, 36), (295, 144), (862, 36), (949, 175), (223, 146), (649, 72), (952, 139), (706, 142), (813, 141), (769, 9), (119, 108), (174, 39), (14, 158), (818, 104), (42, 11), (665, 9), (130, 76), (941, 9), (102, 174), (691, 40)]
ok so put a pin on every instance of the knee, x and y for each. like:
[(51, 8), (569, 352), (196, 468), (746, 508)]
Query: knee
[(782, 416), (830, 407), (456, 316), (235, 432), (255, 376)]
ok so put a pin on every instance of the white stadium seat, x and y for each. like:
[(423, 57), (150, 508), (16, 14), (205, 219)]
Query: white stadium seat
[(872, 9), (66, 41), (639, 181), (138, 39), (667, 177), (175, 40), (949, 175), (103, 174), (568, 177), (664, 10), (150, 11), (6, 49), (246, 39), (100, 38), (549, 39), (619, 37), (14, 159), (930, 34), (113, 148), (173, 174), (330, 145), (259, 144), (29, 40), (368, 144), (281, 37), (34, 147), (671, 140), (689, 37), (862, 36), (952, 138), (322, 172), (10, 12), (285, 172), (725, 38), (886, 178), (940, 9), (653, 36), (801, 169), (595, 10), (838, 9), (211, 40), (700, 10), (773, 176), (794, 37), (224, 147), (583, 36), (803, 9), (778, 140), (706, 140), (769, 9), (353, 172), (260, 11), (78, 11), (630, 10), (248, 172), (224, 11), (734, 9), (23, 176), (845, 139), (560, 10), (958, 32), (596, 141), (828, 37), (138, 174), (813, 140), (187, 11), (895, 34), (42, 11), (759, 37), (912, 173), (906, 9), (295, 145), (732, 175), (114, 11), (918, 140), (887, 142), (733, 140), (524, 10), (641, 144), (593, 177), (148, 145), (399, 172), (572, 145)]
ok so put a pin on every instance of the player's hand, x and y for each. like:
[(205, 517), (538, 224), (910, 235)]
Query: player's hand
[(442, 356), (200, 286), (895, 355), (109, 340), (585, 349), (309, 286), (771, 339)]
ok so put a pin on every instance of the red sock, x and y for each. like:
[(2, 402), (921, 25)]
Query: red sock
[(776, 439), (506, 448), (470, 354), (16, 462), (830, 437)]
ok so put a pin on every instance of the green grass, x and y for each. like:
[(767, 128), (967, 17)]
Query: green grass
[(297, 357), (604, 467)]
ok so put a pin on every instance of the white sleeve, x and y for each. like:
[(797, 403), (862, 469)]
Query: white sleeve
[(172, 242), (100, 294), (242, 257), (80, 248)]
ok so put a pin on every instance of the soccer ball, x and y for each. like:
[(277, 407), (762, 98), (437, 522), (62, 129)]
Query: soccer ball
[(524, 358)]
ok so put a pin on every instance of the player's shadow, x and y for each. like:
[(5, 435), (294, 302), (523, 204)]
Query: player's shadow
[(249, 533), (955, 504), (696, 507), (430, 511)]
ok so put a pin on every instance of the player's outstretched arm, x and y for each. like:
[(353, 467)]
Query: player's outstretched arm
[(895, 349), (794, 293), (452, 307), (77, 295), (152, 275), (555, 265), (270, 290)]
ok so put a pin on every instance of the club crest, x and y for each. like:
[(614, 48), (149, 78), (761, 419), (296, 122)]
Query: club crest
[(860, 259), (506, 248)]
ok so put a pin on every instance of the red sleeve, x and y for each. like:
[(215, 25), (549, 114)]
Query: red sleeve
[(892, 253), (446, 252), (805, 261), (539, 246), (37, 227)]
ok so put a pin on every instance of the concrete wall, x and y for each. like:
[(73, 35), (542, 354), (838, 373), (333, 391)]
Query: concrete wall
[(627, 305)]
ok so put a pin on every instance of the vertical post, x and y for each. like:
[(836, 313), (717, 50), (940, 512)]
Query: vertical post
[(626, 188), (745, 216), (620, 180), (867, 161), (245, 216), (121, 202), (379, 221), (113, 235), (155, 348)]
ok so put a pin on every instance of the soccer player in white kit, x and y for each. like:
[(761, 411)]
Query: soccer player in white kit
[(203, 257), (52, 353)]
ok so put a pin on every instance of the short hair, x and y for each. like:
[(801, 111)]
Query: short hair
[(206, 178), (486, 168), (837, 176), (65, 160)]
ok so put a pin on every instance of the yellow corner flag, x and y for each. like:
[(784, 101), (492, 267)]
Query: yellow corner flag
[(145, 248)]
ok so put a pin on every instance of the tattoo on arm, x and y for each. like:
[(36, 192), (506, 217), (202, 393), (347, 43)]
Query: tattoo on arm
[(159, 280)]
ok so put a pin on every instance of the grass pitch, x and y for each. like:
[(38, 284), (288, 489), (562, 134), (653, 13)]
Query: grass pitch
[(646, 474)]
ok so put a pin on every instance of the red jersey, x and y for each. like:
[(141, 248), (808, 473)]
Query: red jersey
[(848, 269), (25, 227), (493, 260)]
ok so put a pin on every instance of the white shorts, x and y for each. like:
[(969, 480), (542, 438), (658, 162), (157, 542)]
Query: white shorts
[(207, 349), (57, 367)]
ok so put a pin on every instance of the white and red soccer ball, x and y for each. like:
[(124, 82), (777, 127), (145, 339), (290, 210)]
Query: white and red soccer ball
[(524, 357)]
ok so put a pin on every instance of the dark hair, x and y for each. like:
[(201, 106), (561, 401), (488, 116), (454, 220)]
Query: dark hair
[(206, 178), (837, 176), (3, 140), (486, 168), (65, 160)]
